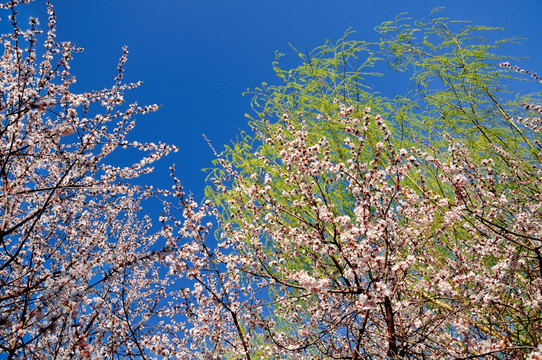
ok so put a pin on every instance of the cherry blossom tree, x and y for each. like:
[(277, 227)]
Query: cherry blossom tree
[(77, 278), (346, 226), (356, 227)]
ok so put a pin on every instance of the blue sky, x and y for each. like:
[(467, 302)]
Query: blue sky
[(197, 57)]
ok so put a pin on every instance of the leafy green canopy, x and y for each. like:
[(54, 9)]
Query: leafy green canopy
[(458, 91)]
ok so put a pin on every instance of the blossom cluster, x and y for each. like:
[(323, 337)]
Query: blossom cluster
[(355, 249)]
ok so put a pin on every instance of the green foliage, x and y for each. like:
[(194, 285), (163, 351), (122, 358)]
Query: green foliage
[(458, 88), (458, 92)]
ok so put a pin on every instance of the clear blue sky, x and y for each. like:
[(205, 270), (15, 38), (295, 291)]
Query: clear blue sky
[(196, 57)]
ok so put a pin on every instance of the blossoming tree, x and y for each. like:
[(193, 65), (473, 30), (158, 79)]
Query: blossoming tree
[(75, 280), (356, 227)]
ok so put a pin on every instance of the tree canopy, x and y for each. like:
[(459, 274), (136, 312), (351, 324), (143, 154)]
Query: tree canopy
[(348, 224), (369, 227)]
